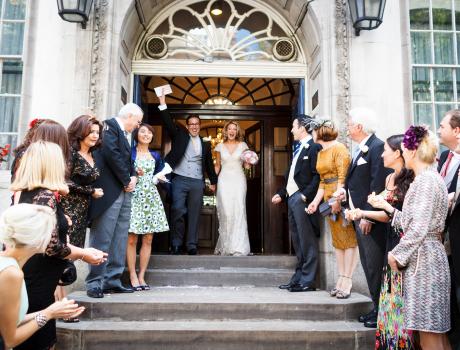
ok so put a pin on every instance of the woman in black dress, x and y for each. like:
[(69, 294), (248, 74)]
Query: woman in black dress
[(40, 180), (83, 135)]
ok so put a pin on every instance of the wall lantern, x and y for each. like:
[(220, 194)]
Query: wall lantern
[(216, 8), (366, 14), (75, 10)]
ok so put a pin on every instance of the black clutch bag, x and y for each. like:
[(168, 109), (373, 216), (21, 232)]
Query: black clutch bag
[(69, 275), (325, 209)]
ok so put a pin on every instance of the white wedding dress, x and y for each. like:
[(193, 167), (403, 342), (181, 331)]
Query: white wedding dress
[(231, 203)]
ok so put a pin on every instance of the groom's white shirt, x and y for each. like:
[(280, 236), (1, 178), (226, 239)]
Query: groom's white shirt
[(291, 186)]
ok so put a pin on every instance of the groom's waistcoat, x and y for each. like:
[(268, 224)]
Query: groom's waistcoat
[(191, 163)]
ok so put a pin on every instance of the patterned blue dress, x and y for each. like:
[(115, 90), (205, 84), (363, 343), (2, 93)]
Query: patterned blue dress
[(147, 211)]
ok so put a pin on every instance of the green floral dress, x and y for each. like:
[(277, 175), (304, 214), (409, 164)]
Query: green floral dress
[(147, 211)]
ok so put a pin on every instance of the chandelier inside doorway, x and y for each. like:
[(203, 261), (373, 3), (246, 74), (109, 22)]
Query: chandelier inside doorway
[(244, 31)]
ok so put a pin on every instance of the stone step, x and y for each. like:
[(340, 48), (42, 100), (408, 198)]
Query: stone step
[(235, 303), (216, 261), (214, 334), (225, 276)]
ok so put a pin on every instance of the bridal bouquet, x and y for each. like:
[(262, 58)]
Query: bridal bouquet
[(249, 157)]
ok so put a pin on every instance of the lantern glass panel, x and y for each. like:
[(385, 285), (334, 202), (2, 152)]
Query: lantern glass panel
[(73, 17), (69, 4), (372, 8)]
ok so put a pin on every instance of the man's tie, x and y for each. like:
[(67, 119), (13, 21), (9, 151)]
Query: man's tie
[(356, 152), (296, 149), (445, 167)]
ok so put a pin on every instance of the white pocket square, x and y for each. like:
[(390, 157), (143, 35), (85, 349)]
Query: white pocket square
[(361, 161), (306, 157)]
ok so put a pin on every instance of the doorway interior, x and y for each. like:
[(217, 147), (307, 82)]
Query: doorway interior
[(263, 107)]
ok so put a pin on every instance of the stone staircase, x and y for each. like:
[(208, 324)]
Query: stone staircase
[(208, 302)]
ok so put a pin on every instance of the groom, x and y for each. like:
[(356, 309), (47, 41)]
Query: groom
[(302, 182), (190, 158)]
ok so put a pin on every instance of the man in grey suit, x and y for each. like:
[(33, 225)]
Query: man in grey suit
[(111, 213)]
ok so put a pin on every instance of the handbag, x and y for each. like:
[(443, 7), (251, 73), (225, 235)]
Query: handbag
[(390, 333), (69, 275), (325, 208)]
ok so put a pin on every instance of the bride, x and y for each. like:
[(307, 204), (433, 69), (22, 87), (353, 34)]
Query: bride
[(231, 193)]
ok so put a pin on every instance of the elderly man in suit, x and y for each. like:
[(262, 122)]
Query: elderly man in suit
[(302, 181), (366, 175), (190, 158), (110, 214)]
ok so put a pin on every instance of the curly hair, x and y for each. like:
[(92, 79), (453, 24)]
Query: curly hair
[(80, 128), (239, 133)]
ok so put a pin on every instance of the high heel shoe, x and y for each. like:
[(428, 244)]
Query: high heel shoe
[(335, 290), (341, 294)]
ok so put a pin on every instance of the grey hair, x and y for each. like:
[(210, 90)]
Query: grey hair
[(365, 117), (130, 109)]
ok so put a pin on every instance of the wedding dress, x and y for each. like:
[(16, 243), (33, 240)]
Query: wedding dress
[(231, 203)]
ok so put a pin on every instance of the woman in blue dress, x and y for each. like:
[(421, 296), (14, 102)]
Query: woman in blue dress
[(147, 211)]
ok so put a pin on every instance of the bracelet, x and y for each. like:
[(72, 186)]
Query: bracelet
[(40, 319)]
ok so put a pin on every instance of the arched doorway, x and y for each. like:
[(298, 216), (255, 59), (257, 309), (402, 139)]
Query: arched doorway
[(245, 64)]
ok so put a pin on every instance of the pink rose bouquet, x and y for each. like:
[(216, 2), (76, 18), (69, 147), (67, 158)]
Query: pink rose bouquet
[(249, 157)]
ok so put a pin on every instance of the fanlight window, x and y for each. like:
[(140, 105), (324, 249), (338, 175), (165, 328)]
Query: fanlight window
[(241, 33)]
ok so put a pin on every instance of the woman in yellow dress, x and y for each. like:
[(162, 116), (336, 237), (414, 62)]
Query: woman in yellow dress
[(332, 165)]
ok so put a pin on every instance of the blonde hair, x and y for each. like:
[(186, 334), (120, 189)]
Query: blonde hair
[(42, 166), (27, 225), (239, 133), (427, 149)]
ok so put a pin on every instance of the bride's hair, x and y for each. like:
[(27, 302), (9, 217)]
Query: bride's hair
[(239, 133)]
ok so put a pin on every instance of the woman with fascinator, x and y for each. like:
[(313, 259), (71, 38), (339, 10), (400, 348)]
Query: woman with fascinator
[(332, 166), (420, 254)]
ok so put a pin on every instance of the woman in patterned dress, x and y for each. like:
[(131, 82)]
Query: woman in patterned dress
[(332, 166), (83, 135), (420, 253), (147, 211)]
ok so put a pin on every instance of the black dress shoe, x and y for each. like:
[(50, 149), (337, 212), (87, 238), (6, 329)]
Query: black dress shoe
[(119, 289), (302, 288), (192, 251), (175, 250), (287, 286), (368, 316), (371, 323), (95, 293)]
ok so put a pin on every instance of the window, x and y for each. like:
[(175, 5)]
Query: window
[(434, 31), (12, 22)]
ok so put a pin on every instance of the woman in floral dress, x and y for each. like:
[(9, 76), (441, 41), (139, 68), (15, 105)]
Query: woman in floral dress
[(420, 253), (147, 211)]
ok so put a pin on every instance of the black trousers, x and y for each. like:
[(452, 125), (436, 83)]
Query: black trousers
[(304, 240), (372, 254)]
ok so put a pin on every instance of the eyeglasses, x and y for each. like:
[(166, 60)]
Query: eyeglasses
[(193, 124)]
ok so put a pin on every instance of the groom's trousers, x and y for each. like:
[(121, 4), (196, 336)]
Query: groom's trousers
[(304, 240), (187, 199)]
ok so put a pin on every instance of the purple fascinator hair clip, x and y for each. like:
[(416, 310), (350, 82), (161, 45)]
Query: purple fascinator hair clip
[(414, 136)]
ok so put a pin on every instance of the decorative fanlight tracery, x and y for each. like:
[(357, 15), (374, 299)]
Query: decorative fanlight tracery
[(243, 32)]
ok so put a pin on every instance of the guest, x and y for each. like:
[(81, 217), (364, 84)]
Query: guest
[(449, 161), (420, 253), (448, 167), (366, 174), (39, 176), (18, 152), (26, 230), (84, 138), (190, 158), (396, 186), (231, 193), (332, 165), (111, 213), (51, 131), (147, 212), (302, 180)]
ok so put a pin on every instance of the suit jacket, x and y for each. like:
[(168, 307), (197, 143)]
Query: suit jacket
[(305, 174), (367, 177), (180, 139), (454, 238), (442, 160), (114, 161)]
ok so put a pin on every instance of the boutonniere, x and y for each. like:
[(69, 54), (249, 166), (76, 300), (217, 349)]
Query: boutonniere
[(364, 149)]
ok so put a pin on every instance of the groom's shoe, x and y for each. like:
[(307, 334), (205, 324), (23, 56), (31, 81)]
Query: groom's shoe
[(175, 250), (302, 288), (192, 251), (286, 286), (372, 314)]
